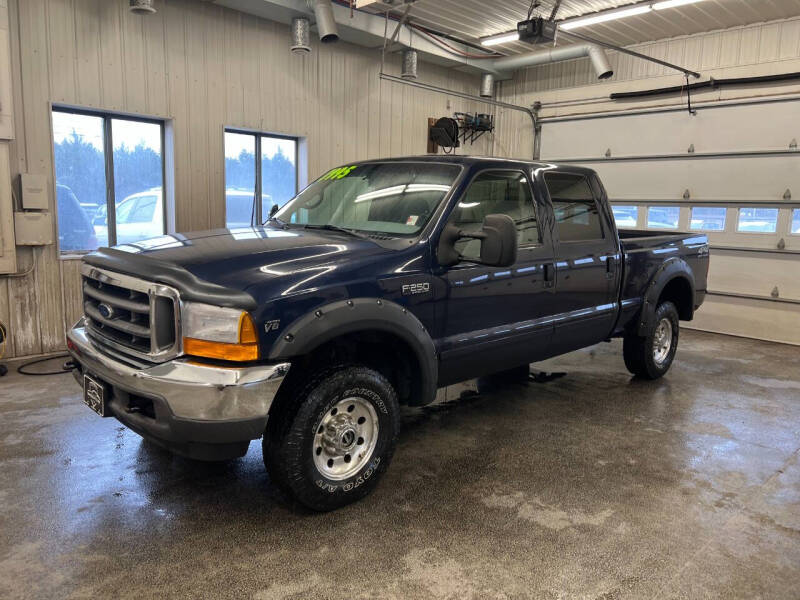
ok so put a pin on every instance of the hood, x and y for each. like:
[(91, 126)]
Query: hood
[(261, 260)]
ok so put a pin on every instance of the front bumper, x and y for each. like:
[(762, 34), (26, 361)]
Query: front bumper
[(197, 410)]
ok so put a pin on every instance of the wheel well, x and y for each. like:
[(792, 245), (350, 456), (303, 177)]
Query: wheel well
[(385, 352), (679, 292)]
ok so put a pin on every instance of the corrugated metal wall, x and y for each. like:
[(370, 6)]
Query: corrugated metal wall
[(206, 67)]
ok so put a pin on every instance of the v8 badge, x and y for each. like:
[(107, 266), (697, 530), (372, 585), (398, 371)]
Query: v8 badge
[(272, 325)]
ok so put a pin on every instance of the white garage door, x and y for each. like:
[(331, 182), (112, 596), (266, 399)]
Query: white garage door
[(732, 171)]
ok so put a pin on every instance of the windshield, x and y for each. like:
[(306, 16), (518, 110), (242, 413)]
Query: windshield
[(393, 198)]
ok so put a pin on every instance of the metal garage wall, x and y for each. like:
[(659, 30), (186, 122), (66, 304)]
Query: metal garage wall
[(740, 156), (203, 67)]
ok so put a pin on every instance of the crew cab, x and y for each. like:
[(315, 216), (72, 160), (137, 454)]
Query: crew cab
[(379, 283)]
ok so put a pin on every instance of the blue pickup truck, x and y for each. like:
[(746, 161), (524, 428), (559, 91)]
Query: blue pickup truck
[(379, 283)]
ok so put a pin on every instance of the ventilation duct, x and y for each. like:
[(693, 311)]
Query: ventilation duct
[(326, 25), (595, 53), (409, 64), (301, 43), (141, 7), (487, 85)]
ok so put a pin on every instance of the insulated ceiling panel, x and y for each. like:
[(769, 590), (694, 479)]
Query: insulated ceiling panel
[(473, 19)]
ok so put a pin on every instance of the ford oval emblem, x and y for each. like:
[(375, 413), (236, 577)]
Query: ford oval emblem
[(106, 311)]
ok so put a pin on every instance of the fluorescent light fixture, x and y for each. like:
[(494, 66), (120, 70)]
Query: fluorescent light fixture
[(607, 16), (500, 38), (672, 3)]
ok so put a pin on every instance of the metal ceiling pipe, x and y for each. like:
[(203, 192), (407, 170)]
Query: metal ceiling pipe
[(595, 53), (409, 64), (326, 24), (600, 62), (141, 7), (487, 85), (301, 42)]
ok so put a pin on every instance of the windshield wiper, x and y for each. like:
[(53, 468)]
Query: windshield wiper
[(329, 227)]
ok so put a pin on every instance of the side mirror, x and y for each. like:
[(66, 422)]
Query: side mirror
[(499, 245), (273, 210), (498, 236)]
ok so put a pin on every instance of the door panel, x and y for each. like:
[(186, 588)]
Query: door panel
[(497, 317), (588, 263)]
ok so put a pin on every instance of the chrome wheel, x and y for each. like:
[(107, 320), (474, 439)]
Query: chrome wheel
[(345, 438), (662, 341)]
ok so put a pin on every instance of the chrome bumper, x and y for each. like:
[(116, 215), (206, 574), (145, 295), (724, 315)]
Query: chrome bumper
[(190, 390)]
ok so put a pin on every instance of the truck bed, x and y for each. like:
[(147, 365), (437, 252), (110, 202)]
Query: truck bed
[(645, 252)]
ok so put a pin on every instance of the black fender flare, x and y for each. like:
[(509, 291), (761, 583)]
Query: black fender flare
[(671, 269), (363, 314)]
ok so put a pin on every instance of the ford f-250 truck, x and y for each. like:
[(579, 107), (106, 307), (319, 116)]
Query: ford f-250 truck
[(379, 283)]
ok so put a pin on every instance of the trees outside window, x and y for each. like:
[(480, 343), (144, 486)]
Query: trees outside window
[(105, 164), (273, 177)]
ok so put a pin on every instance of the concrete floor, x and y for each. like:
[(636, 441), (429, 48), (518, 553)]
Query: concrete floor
[(589, 486)]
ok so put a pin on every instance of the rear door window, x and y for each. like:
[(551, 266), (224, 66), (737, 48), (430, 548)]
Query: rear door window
[(575, 207)]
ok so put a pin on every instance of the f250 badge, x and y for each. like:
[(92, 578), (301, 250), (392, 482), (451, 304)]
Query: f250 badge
[(410, 289), (272, 325)]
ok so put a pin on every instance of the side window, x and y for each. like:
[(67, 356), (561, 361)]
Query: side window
[(496, 192), (574, 207)]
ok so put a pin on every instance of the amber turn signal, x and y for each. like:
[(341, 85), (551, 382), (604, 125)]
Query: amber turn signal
[(247, 329), (220, 350)]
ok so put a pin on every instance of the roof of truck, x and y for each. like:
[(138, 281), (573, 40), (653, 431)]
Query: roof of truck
[(468, 160)]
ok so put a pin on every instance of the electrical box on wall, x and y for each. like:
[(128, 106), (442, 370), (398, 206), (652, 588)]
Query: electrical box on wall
[(33, 228), (34, 191)]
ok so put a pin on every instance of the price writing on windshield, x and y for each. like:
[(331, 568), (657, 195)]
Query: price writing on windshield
[(337, 173)]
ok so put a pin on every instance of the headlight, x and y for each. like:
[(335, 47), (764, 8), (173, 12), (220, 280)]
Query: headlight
[(216, 332)]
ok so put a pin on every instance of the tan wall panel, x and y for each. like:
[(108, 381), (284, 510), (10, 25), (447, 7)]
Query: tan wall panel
[(203, 67)]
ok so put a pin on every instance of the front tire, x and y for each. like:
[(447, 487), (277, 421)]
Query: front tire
[(328, 444), (651, 356)]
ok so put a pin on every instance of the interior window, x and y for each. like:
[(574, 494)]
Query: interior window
[(574, 207), (496, 192), (758, 220), (84, 194), (663, 217), (625, 216), (708, 218), (274, 178)]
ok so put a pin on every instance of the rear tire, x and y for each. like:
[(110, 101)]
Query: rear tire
[(651, 356), (328, 444)]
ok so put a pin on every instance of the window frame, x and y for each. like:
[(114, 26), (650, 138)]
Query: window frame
[(792, 210), (665, 205), (725, 220), (451, 217), (258, 184), (774, 207), (618, 205), (597, 204), (108, 163)]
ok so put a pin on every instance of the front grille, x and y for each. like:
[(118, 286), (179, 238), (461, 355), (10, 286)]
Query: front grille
[(133, 316)]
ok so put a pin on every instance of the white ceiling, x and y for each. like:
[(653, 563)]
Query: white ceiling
[(472, 19)]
